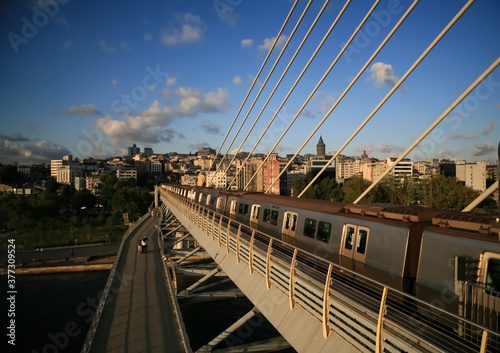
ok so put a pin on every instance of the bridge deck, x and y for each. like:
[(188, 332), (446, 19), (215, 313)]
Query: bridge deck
[(138, 315)]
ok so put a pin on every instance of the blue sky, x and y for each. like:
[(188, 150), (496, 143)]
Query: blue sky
[(90, 78)]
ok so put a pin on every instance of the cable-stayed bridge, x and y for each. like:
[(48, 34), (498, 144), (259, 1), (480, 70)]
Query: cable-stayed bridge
[(316, 301)]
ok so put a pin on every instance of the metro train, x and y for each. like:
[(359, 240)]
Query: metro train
[(428, 253)]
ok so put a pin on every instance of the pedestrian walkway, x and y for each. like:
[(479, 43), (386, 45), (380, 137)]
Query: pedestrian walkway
[(139, 315)]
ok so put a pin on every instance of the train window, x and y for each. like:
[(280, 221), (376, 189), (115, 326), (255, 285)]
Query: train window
[(348, 237), (324, 230), (267, 215), (294, 222), (243, 210), (255, 212), (493, 275), (274, 218), (309, 227), (200, 198), (361, 241), (209, 199), (219, 199)]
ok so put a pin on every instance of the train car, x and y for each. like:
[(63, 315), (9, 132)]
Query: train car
[(449, 257)]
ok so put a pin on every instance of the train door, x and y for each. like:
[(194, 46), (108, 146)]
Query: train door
[(290, 223), (232, 209), (486, 299), (254, 215), (355, 242)]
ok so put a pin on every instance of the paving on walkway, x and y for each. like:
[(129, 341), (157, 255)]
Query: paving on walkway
[(139, 315)]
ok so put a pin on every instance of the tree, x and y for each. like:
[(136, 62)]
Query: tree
[(325, 188), (8, 174), (447, 193), (354, 187), (83, 199), (51, 186), (67, 192)]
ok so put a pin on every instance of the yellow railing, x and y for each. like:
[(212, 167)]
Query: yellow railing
[(372, 316)]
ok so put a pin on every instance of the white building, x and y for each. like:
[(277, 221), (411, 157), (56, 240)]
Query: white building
[(474, 174), (126, 173), (347, 168), (54, 166), (66, 174), (373, 170), (189, 179), (402, 169), (156, 167), (219, 179)]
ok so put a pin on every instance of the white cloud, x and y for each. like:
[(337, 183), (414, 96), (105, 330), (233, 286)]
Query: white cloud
[(105, 47), (199, 145), (28, 153), (471, 136), (188, 29), (62, 21), (164, 91), (323, 100), (66, 44), (306, 113), (193, 102), (389, 148), (171, 81), (383, 75), (483, 149), (150, 126), (268, 42), (489, 128), (368, 148), (246, 43), (15, 137), (148, 36), (210, 127), (114, 82), (447, 154), (82, 110), (237, 80), (124, 45)]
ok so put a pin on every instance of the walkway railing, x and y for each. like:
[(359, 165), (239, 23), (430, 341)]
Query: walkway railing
[(370, 315)]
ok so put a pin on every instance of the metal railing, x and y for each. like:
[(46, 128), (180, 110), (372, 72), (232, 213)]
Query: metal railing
[(370, 315)]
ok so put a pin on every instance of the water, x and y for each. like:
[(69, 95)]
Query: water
[(52, 314)]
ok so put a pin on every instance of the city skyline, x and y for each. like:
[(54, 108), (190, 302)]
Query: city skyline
[(172, 76)]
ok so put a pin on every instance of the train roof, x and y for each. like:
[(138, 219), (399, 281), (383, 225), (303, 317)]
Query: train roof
[(477, 222), (396, 212), (307, 204)]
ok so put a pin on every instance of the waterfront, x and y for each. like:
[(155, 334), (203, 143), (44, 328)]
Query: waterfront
[(47, 304)]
